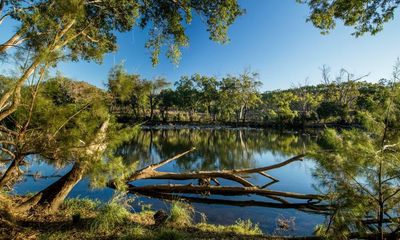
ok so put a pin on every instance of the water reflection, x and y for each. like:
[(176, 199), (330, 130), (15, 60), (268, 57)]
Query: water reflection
[(216, 149)]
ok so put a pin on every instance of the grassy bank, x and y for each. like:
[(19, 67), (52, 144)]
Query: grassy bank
[(88, 219)]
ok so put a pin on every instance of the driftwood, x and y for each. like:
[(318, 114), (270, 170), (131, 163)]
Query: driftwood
[(208, 184), (309, 207), (150, 172)]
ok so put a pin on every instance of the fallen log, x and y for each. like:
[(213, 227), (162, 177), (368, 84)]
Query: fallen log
[(150, 172), (311, 207), (221, 190), (205, 188)]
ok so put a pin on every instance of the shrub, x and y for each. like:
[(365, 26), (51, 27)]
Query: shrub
[(243, 227), (181, 214), (110, 216), (73, 206)]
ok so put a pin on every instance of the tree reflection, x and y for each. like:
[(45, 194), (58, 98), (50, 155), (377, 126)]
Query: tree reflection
[(216, 149)]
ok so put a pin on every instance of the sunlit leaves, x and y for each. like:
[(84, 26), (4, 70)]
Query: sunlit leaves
[(365, 16)]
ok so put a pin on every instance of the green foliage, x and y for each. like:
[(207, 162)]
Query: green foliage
[(365, 16), (89, 27), (109, 216), (358, 170), (82, 206), (181, 215), (241, 227)]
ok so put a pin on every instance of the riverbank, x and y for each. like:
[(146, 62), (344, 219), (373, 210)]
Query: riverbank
[(88, 219), (171, 125)]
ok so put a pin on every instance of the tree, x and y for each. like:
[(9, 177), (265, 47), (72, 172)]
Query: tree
[(54, 30), (78, 132), (306, 103), (167, 100), (366, 16), (249, 96), (238, 94), (208, 93), (187, 95), (359, 171), (124, 88), (278, 105), (155, 87)]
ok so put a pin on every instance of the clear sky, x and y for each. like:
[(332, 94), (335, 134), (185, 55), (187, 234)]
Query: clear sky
[(272, 38)]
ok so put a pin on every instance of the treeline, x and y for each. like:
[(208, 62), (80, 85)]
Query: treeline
[(197, 98)]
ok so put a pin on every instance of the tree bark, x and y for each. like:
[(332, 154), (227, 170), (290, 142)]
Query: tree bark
[(12, 42), (12, 172), (54, 195)]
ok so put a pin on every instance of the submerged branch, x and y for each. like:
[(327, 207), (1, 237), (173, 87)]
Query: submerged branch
[(219, 190)]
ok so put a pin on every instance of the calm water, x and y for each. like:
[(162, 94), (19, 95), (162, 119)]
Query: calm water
[(216, 149)]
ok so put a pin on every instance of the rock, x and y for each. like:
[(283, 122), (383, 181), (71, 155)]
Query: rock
[(160, 217)]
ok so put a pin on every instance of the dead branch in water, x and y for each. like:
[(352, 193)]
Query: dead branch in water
[(308, 207), (219, 190), (205, 186)]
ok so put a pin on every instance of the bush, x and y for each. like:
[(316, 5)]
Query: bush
[(243, 227), (109, 217), (73, 206), (246, 227), (181, 214)]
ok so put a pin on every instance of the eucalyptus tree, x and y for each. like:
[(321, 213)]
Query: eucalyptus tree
[(167, 100), (125, 89), (239, 93), (155, 87), (307, 100), (187, 95), (365, 16), (70, 30), (249, 92), (278, 105), (208, 88)]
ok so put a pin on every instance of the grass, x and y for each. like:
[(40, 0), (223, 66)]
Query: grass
[(109, 216), (81, 206), (113, 220), (181, 214), (242, 227)]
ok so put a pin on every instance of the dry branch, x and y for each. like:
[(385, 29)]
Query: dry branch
[(204, 187), (305, 207), (150, 172), (219, 190)]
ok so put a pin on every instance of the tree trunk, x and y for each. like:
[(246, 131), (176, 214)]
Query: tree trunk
[(241, 113), (15, 40), (12, 172), (151, 108), (53, 196)]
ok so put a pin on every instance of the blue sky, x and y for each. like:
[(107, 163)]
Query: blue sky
[(272, 38)]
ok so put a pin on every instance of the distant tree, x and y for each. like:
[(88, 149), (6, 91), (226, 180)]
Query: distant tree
[(238, 94), (367, 16), (126, 90), (187, 95), (307, 101), (155, 86), (208, 93), (340, 95), (278, 105), (167, 100)]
